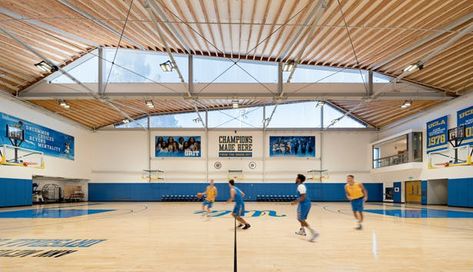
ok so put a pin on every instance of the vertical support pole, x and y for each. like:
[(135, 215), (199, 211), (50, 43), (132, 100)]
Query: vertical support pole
[(370, 84), (100, 71), (410, 147), (207, 143), (321, 165), (280, 79), (148, 126), (190, 76), (264, 144)]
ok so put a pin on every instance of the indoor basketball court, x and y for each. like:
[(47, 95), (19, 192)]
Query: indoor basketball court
[(236, 135)]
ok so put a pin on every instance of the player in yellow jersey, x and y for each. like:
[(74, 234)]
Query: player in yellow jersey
[(210, 196), (357, 195)]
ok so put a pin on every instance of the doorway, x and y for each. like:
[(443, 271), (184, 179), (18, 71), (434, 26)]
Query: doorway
[(437, 191), (413, 192)]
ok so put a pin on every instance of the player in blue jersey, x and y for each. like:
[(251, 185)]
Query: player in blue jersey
[(303, 208), (239, 209)]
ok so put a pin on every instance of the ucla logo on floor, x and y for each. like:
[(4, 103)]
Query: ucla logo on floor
[(6, 246), (250, 213)]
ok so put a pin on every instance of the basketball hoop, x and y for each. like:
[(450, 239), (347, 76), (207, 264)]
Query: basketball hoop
[(318, 175), (153, 175)]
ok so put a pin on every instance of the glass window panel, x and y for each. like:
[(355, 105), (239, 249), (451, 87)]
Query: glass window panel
[(215, 70), (296, 115), (379, 78), (307, 74), (85, 72), (182, 120), (236, 118), (331, 113), (141, 66)]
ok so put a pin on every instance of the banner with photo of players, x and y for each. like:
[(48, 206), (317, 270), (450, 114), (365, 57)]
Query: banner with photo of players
[(292, 146), (178, 146)]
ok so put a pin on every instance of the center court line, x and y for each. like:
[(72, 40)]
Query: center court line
[(235, 261), (374, 245)]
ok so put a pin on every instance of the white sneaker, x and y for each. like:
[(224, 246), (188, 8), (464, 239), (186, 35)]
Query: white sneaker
[(313, 236), (301, 232)]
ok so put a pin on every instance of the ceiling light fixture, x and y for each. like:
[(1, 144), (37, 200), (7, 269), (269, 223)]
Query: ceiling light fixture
[(167, 66), (46, 67), (64, 104), (414, 67), (406, 104), (235, 104), (125, 121), (288, 66), (150, 104)]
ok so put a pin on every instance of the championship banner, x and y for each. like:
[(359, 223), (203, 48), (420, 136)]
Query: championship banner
[(437, 131), (465, 118), (26, 135), (178, 146), (292, 146), (235, 146)]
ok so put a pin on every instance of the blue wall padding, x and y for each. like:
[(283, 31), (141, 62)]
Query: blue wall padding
[(397, 194), (460, 192), (15, 192), (154, 191), (424, 192)]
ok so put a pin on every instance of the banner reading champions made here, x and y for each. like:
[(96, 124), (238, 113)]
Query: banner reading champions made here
[(38, 138), (437, 131), (465, 118)]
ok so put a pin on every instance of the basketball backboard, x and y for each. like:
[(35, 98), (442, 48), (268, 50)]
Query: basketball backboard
[(17, 156)]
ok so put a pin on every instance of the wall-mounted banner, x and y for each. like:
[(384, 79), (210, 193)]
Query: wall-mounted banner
[(178, 146), (292, 146), (465, 118), (437, 131), (235, 146), (24, 134)]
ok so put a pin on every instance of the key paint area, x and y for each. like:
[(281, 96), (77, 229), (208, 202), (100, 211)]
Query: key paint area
[(51, 213)]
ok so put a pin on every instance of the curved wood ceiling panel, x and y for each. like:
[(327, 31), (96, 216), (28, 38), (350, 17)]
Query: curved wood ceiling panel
[(386, 35)]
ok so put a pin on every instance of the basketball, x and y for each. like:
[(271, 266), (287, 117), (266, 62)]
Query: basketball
[(200, 195)]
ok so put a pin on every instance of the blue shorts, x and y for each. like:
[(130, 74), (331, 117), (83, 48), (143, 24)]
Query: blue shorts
[(239, 209), (207, 203), (303, 211), (357, 204)]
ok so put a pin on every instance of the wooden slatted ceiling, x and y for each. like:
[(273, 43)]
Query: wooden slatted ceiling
[(95, 114), (380, 113), (251, 29)]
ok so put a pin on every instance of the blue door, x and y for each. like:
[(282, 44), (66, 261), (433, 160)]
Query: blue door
[(424, 192)]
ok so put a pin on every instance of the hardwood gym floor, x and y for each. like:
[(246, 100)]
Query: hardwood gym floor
[(171, 237)]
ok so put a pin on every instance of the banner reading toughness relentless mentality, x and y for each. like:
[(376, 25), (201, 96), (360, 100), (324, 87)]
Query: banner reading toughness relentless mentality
[(35, 137), (292, 146), (235, 146), (437, 131), (177, 146)]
